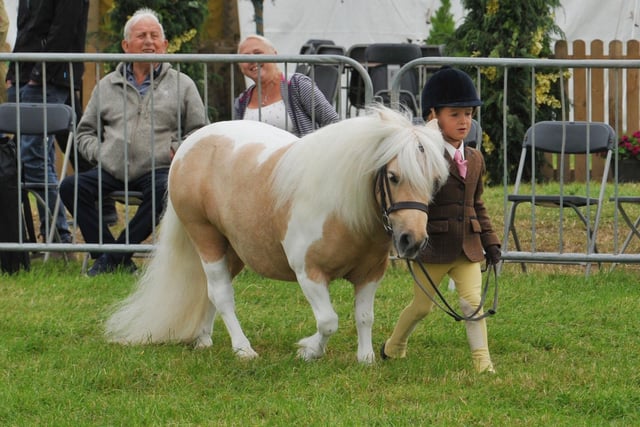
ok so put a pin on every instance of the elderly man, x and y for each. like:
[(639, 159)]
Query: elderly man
[(135, 119)]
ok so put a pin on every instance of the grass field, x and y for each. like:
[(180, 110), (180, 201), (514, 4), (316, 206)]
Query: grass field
[(565, 347), (565, 350)]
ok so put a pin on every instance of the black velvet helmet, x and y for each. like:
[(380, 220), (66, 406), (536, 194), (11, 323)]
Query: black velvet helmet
[(449, 87)]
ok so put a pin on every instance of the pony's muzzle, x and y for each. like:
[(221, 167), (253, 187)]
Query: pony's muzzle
[(407, 246)]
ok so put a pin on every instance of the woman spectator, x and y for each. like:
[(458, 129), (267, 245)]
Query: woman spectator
[(295, 104)]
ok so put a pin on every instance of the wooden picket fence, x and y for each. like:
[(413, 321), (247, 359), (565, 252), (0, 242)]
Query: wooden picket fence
[(600, 94)]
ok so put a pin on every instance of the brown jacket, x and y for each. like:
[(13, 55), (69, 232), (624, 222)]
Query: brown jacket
[(458, 220)]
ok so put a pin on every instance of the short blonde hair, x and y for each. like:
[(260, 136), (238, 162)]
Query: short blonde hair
[(263, 39)]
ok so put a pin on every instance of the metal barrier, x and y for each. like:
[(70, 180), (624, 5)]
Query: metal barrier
[(534, 255), (289, 62), (614, 116)]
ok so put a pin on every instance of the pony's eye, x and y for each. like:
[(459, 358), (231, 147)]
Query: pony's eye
[(393, 178)]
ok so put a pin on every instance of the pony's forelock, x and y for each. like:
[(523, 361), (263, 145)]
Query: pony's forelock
[(332, 169)]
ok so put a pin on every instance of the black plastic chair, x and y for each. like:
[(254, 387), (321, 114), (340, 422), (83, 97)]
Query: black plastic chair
[(474, 139), (39, 119), (327, 77), (355, 88), (564, 138), (429, 50), (310, 47), (382, 60)]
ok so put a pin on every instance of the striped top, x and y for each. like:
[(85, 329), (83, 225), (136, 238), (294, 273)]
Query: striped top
[(307, 107)]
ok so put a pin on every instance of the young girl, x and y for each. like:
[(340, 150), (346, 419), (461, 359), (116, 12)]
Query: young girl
[(460, 231)]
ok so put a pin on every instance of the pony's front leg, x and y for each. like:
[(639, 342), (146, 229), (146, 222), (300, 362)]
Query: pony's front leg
[(220, 291), (364, 320), (314, 346), (203, 340)]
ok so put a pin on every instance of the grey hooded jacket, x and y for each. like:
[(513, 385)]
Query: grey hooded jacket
[(131, 134)]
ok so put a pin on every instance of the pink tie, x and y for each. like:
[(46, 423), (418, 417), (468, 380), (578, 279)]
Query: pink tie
[(462, 164)]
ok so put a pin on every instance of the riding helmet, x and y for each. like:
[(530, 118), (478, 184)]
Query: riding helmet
[(449, 87)]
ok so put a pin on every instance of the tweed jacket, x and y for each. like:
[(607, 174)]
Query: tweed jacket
[(458, 220)]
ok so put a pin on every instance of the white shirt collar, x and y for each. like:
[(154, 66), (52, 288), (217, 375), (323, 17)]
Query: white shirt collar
[(452, 150)]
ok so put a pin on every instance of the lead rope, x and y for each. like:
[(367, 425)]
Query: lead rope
[(446, 307)]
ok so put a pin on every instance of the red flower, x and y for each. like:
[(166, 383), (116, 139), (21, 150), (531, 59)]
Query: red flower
[(629, 146)]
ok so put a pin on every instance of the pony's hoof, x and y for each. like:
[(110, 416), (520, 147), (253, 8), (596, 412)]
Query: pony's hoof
[(308, 355), (245, 353), (202, 342), (310, 349), (367, 359)]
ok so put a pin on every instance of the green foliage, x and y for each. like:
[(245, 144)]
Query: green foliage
[(503, 29), (442, 24), (258, 16), (180, 19)]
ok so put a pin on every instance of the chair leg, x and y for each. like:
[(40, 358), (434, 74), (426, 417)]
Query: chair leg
[(516, 240), (590, 236), (85, 263), (54, 235), (514, 233), (28, 218), (633, 232)]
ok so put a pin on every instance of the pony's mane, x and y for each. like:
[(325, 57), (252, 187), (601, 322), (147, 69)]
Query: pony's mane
[(332, 170)]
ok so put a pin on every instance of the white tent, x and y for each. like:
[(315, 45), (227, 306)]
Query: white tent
[(290, 23)]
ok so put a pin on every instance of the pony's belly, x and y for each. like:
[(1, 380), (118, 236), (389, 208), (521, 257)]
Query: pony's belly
[(267, 261)]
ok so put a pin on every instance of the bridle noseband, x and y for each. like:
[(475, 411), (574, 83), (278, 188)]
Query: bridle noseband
[(387, 206)]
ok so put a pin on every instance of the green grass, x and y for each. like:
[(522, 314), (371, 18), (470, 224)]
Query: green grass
[(565, 349)]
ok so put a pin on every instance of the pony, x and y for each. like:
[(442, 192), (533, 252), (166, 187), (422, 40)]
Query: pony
[(329, 205)]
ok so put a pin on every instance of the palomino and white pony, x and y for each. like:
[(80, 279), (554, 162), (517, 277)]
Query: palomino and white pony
[(326, 206)]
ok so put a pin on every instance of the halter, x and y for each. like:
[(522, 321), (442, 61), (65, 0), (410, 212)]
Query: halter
[(384, 187)]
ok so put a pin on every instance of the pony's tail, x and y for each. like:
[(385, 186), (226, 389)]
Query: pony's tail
[(170, 300)]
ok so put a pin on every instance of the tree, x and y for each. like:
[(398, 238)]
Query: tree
[(503, 29), (442, 24), (258, 16)]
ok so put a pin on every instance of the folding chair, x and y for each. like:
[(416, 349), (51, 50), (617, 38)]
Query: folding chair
[(355, 88), (39, 119), (327, 77), (430, 51), (563, 138), (634, 226), (310, 48), (383, 60), (127, 198), (474, 139)]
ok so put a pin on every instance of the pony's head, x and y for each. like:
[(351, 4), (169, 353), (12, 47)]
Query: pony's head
[(415, 168), (335, 170)]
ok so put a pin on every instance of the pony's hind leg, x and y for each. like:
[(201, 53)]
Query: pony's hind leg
[(220, 291), (364, 320), (314, 346)]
